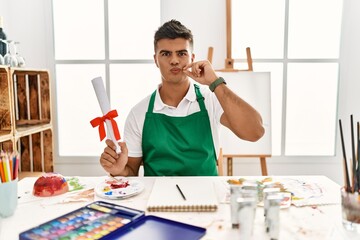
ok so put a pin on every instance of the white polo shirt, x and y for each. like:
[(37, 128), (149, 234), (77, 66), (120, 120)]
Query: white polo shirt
[(135, 120)]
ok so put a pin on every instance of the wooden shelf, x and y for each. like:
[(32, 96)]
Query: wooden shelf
[(5, 136), (5, 101), (25, 116), (25, 131), (6, 143)]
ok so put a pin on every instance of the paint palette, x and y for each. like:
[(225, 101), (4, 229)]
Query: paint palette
[(93, 221), (119, 188), (108, 221)]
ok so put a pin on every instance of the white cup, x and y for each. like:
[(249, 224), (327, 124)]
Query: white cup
[(8, 198)]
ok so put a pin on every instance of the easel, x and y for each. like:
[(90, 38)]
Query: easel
[(229, 67)]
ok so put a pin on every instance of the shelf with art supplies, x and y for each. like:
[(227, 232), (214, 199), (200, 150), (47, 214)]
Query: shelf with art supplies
[(9, 165), (26, 124), (350, 192), (255, 88), (25, 100)]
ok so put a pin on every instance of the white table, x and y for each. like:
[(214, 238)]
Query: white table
[(320, 222)]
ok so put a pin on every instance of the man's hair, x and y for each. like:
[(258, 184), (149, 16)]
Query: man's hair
[(171, 30)]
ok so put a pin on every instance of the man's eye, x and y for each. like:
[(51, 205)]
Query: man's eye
[(165, 54), (182, 54)]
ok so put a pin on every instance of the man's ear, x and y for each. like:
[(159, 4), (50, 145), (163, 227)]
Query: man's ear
[(192, 57), (156, 61)]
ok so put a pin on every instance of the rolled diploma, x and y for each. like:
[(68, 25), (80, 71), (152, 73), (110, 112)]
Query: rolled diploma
[(103, 99)]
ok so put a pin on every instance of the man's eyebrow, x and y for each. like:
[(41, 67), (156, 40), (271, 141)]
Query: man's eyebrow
[(182, 51), (179, 51), (164, 51)]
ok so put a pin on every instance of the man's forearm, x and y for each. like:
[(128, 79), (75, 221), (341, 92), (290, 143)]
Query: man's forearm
[(239, 116)]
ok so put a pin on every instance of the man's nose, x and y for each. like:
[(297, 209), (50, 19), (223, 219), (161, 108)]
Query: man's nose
[(174, 60)]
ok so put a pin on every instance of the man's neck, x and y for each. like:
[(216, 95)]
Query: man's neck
[(172, 94)]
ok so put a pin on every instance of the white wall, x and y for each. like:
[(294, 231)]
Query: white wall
[(30, 23), (207, 21)]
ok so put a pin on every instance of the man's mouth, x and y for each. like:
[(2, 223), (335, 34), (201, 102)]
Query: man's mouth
[(175, 70)]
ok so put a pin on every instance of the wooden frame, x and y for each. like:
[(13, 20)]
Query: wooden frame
[(29, 127), (229, 67), (230, 158)]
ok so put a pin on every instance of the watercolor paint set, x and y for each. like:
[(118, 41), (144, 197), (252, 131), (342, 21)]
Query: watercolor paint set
[(104, 220)]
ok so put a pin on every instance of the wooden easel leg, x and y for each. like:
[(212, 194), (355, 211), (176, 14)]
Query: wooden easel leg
[(210, 54), (229, 166), (263, 166), (249, 59)]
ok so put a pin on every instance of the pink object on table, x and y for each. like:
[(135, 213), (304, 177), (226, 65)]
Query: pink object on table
[(50, 184)]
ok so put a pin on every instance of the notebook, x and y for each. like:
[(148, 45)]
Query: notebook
[(195, 195)]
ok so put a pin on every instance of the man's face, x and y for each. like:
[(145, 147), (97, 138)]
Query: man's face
[(171, 56)]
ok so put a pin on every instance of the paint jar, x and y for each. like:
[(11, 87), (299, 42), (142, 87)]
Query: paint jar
[(266, 193), (246, 215), (254, 186), (272, 219), (235, 191), (350, 208)]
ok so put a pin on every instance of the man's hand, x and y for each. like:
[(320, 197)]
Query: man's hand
[(112, 162), (201, 71)]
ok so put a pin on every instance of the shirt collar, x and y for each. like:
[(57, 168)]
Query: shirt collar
[(159, 104)]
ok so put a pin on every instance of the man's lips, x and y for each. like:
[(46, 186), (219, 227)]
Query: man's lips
[(176, 70)]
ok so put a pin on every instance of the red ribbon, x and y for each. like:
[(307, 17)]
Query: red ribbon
[(99, 121)]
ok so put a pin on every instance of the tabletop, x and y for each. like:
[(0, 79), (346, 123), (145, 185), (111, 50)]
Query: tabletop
[(319, 220)]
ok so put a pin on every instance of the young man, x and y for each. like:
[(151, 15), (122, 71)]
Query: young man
[(174, 131)]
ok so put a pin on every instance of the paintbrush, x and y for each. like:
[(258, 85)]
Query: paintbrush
[(114, 178), (358, 157), (347, 180), (354, 175)]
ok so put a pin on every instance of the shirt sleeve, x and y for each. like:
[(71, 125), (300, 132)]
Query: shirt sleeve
[(133, 135)]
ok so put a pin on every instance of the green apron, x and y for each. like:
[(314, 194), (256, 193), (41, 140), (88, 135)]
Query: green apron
[(178, 146)]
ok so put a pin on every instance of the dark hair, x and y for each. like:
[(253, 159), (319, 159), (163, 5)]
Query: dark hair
[(171, 30)]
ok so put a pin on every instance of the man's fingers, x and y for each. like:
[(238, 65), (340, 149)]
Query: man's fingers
[(196, 69), (110, 144), (123, 147), (107, 159)]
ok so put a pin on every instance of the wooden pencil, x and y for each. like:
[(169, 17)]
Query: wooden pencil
[(2, 173)]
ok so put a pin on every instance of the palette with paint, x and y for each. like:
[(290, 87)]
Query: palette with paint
[(108, 221), (93, 221), (119, 188)]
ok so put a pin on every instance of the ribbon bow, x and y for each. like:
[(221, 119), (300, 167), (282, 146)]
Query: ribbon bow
[(99, 121)]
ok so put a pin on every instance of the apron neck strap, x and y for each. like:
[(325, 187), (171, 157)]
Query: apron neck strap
[(199, 98), (151, 103)]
